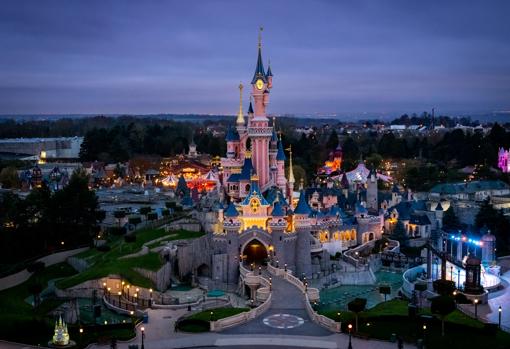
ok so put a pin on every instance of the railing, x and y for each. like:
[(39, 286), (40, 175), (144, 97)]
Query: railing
[(321, 320), (239, 319)]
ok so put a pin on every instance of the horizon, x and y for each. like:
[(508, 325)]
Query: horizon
[(353, 59)]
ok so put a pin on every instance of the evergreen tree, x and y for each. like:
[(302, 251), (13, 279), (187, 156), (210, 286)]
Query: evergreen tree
[(332, 142), (399, 233), (450, 220)]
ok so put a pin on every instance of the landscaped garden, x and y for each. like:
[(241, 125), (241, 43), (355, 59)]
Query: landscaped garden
[(199, 322), (21, 322), (392, 318), (103, 261)]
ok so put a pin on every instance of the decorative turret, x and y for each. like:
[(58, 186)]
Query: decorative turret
[(259, 69), (269, 75), (61, 335), (240, 115), (291, 179), (372, 191)]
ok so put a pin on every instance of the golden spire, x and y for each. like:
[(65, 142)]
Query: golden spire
[(240, 116), (291, 170)]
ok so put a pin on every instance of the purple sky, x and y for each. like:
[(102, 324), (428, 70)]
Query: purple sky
[(350, 56)]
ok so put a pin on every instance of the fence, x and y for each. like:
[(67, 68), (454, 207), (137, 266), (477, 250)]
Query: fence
[(242, 318), (321, 320)]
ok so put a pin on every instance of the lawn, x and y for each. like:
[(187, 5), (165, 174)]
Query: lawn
[(462, 332), (199, 322), (106, 263), (218, 313)]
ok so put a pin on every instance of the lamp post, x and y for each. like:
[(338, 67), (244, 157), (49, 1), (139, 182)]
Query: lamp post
[(143, 336), (211, 316), (424, 331), (150, 298), (285, 267), (350, 335), (277, 263), (499, 316), (451, 272), (458, 277), (119, 294), (476, 309)]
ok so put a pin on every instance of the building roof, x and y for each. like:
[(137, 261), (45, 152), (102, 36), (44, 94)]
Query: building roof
[(280, 156), (231, 211), (419, 219), (469, 187), (439, 207), (269, 72), (278, 210), (247, 170), (259, 69), (255, 193), (250, 109), (302, 206), (232, 135)]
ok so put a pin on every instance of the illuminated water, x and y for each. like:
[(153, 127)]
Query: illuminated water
[(338, 297)]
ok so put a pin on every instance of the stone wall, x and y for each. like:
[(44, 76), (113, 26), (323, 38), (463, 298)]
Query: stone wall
[(193, 253), (161, 278)]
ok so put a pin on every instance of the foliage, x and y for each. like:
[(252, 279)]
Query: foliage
[(442, 305), (9, 177), (218, 313), (444, 287), (44, 221), (497, 223), (399, 233), (450, 220)]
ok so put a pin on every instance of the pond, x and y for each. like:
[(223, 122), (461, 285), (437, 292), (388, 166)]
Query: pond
[(338, 297)]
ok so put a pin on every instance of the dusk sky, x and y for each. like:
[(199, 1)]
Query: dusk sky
[(189, 56)]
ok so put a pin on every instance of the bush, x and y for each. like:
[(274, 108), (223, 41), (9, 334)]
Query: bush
[(152, 216), (129, 238), (165, 213), (171, 204), (444, 287), (192, 325), (36, 267), (118, 231), (103, 248)]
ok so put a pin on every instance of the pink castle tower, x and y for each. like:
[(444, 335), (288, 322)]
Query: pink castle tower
[(259, 130)]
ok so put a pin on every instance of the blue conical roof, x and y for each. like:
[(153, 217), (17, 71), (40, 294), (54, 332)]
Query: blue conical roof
[(231, 211), (232, 135), (247, 170), (274, 137), (278, 210), (255, 193), (269, 72), (439, 207), (302, 206), (280, 156), (259, 70), (250, 109)]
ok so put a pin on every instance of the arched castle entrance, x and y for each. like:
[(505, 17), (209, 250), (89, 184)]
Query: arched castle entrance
[(255, 252)]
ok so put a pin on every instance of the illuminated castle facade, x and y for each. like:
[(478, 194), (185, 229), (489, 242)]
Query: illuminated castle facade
[(504, 160), (263, 220)]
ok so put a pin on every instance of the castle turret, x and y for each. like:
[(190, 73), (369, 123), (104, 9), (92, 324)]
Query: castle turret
[(291, 180), (281, 181), (372, 191), (302, 226), (231, 226)]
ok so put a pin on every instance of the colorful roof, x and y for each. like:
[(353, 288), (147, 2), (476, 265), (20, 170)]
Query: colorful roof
[(278, 210), (232, 135), (259, 69), (280, 156), (247, 170), (302, 206), (231, 211), (255, 193)]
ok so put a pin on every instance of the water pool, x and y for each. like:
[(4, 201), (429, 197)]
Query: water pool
[(337, 298)]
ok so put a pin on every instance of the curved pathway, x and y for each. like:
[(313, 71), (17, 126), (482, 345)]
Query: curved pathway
[(286, 316)]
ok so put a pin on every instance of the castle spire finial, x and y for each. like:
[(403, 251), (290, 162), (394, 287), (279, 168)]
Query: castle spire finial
[(240, 116), (260, 36), (292, 180)]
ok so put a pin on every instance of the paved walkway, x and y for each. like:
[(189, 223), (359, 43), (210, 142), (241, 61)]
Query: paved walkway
[(286, 299), (489, 311)]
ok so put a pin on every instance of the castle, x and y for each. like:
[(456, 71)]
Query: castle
[(265, 220), (504, 160)]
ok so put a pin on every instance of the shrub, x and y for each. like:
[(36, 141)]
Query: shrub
[(118, 231), (170, 204), (444, 287), (36, 267), (152, 216), (129, 238), (165, 213), (103, 248), (192, 325)]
